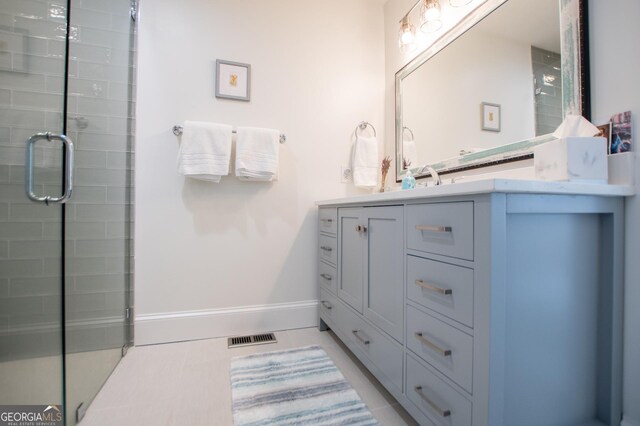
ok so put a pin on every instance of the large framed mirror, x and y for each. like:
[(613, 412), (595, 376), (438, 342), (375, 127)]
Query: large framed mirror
[(493, 87)]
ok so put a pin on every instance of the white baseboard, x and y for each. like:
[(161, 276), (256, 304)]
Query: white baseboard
[(628, 422), (193, 325)]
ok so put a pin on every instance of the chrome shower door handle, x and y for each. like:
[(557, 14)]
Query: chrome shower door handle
[(68, 168)]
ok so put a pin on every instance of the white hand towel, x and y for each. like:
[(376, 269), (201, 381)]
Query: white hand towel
[(205, 151), (257, 154), (410, 153), (365, 162)]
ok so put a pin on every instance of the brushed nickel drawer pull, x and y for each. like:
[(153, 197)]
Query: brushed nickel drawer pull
[(327, 220), (429, 343), (365, 341), (326, 304), (431, 228), (326, 277), (435, 289), (325, 248), (425, 398)]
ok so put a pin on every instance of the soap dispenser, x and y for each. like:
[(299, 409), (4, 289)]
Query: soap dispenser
[(408, 181)]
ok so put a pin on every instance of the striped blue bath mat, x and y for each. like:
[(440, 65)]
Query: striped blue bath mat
[(294, 387)]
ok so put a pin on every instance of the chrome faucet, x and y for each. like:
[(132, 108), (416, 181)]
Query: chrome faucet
[(434, 174)]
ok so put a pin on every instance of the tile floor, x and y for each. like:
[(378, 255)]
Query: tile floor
[(187, 383)]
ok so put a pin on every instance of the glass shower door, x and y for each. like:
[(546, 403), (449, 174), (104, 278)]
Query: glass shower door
[(98, 224), (66, 68), (32, 70)]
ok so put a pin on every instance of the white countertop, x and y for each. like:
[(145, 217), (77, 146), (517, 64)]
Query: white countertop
[(486, 186)]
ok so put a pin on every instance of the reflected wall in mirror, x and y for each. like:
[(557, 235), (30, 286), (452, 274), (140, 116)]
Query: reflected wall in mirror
[(523, 55)]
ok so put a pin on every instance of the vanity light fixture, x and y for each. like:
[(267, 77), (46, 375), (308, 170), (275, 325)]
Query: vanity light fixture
[(430, 16), (459, 3), (407, 35)]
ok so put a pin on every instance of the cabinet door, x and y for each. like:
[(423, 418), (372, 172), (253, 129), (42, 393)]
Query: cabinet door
[(350, 257), (383, 296)]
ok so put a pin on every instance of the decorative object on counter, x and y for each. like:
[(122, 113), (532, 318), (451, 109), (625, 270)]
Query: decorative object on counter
[(365, 158), (605, 132), (257, 154), (490, 116), (621, 133), (233, 80), (575, 159), (386, 163), (408, 181), (205, 151)]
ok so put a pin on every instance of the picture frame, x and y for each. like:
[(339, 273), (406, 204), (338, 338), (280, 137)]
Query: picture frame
[(233, 80), (605, 132), (621, 131), (490, 114)]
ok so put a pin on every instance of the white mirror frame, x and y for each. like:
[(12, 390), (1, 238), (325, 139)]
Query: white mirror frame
[(575, 96)]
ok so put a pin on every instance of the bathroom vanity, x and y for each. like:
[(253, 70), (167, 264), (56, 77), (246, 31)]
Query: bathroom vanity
[(486, 303)]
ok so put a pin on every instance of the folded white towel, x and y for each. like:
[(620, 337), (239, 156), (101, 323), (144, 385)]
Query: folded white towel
[(257, 154), (205, 151), (410, 153), (365, 162)]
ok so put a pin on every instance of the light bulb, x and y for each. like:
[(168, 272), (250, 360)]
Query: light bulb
[(430, 16), (407, 37)]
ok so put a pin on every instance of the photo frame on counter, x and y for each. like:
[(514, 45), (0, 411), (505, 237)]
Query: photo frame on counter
[(605, 132), (233, 80)]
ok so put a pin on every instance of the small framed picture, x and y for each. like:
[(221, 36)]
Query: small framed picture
[(605, 132), (490, 117), (233, 80)]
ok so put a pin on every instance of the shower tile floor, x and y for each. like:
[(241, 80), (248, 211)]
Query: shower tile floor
[(187, 383)]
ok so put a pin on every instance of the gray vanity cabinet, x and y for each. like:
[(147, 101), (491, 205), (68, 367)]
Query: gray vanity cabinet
[(488, 309), (351, 243), (370, 264)]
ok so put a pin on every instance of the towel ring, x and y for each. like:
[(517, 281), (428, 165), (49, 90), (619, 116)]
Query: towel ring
[(406, 129), (363, 126)]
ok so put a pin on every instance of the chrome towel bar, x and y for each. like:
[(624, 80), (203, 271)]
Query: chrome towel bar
[(177, 130)]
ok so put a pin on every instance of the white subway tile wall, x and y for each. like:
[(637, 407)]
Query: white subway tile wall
[(548, 90), (98, 219)]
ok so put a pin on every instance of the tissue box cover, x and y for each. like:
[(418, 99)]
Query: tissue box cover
[(575, 159)]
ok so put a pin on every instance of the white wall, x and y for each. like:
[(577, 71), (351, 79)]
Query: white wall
[(615, 62), (241, 257)]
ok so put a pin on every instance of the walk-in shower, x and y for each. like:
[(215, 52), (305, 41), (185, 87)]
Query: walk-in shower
[(67, 86)]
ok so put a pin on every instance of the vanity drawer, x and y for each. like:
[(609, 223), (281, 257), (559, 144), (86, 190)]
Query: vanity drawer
[(327, 249), (327, 306), (445, 288), (435, 397), (328, 220), (446, 348), (380, 350), (441, 228), (327, 275)]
